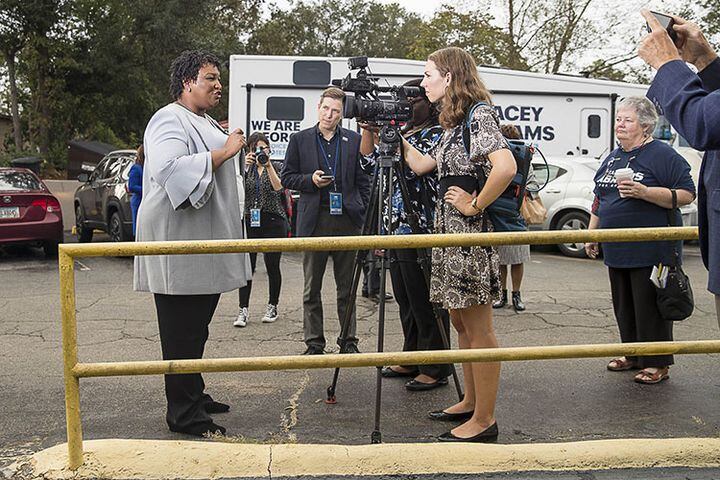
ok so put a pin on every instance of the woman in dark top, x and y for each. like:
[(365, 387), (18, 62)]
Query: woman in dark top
[(420, 328), (642, 201), (265, 217), (135, 184)]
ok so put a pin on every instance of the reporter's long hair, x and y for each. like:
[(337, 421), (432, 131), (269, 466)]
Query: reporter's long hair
[(465, 89)]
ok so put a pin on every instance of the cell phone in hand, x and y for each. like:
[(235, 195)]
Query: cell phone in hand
[(667, 23), (326, 177)]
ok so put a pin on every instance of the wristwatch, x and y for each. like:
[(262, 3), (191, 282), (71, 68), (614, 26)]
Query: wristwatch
[(473, 204)]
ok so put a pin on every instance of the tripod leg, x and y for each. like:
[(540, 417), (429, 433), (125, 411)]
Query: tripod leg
[(368, 226), (376, 436)]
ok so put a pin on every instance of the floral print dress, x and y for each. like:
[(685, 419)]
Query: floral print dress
[(465, 276)]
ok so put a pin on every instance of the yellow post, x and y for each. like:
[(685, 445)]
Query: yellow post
[(70, 359)]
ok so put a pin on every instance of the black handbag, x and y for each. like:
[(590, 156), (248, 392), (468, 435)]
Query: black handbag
[(675, 302)]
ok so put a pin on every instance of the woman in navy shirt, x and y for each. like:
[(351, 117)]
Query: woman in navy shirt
[(642, 201)]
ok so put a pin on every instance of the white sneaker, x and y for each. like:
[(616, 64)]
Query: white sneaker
[(271, 314), (242, 318)]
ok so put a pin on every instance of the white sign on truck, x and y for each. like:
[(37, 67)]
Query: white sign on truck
[(563, 115)]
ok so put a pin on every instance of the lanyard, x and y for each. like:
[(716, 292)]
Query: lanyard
[(257, 187), (335, 163)]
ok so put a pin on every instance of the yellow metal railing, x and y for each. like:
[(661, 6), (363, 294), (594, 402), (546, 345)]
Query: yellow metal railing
[(75, 370)]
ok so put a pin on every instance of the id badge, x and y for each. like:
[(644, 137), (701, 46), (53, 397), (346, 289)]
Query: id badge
[(335, 203), (254, 217)]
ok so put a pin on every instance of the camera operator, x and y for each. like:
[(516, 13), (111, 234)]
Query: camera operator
[(419, 325), (265, 217), (691, 103), (322, 162)]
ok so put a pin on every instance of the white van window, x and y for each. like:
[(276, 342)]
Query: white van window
[(594, 125), (285, 108), (311, 72)]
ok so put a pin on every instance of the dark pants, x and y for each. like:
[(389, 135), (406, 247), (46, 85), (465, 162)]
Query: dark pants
[(371, 274), (419, 325), (634, 302), (271, 226), (183, 322), (314, 264)]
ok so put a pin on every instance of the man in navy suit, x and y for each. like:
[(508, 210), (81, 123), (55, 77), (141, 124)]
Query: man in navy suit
[(691, 103), (323, 163)]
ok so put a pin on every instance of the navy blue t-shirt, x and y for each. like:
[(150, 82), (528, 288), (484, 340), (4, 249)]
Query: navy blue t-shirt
[(655, 164)]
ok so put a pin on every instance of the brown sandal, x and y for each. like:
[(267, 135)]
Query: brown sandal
[(620, 365), (650, 378)]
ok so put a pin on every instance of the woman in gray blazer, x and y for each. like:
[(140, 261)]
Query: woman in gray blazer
[(192, 190)]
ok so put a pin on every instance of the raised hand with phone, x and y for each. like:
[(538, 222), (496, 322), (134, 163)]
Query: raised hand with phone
[(674, 38)]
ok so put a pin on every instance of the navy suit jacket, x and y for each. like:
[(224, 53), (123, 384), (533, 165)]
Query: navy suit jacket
[(302, 159), (691, 103)]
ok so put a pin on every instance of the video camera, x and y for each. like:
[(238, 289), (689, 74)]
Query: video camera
[(366, 105)]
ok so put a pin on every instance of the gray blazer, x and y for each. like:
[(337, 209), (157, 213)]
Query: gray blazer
[(183, 199)]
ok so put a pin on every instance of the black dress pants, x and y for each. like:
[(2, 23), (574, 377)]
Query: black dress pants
[(183, 321), (634, 301), (420, 328), (271, 226)]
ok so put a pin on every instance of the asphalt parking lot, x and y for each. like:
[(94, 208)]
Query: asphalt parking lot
[(542, 401)]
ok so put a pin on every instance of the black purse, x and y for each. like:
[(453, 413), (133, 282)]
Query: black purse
[(675, 302)]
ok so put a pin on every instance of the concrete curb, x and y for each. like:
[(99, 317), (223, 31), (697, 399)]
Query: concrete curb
[(155, 459)]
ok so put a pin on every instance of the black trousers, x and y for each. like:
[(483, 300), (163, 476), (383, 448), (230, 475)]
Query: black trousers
[(183, 321), (638, 319), (271, 226), (419, 325)]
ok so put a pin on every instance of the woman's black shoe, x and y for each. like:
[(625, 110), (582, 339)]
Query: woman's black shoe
[(388, 372), (216, 407), (490, 434), (502, 302), (201, 429), (517, 302), (415, 386), (444, 416)]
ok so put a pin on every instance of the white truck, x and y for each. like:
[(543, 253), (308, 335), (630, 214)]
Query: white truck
[(563, 115)]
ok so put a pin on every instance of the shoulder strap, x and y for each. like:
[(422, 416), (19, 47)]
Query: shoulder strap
[(466, 125)]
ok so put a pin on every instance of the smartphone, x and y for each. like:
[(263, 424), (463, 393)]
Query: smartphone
[(326, 177), (667, 23)]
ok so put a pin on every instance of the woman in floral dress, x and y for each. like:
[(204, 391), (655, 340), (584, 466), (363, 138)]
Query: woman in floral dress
[(465, 280)]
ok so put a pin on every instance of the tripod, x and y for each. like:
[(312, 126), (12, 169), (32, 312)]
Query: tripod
[(389, 166)]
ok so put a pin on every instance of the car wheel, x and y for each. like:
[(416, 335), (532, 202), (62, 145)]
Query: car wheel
[(51, 249), (116, 230), (83, 233), (573, 221)]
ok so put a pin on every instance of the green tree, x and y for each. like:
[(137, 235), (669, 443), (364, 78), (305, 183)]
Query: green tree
[(336, 28), (472, 31)]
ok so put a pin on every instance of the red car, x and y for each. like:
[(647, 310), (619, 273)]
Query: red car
[(29, 213)]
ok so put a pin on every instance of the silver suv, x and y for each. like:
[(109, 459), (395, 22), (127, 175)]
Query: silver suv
[(103, 200)]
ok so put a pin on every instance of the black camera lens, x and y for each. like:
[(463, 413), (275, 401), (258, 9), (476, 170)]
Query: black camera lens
[(261, 157)]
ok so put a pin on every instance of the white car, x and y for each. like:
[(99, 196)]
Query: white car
[(567, 193)]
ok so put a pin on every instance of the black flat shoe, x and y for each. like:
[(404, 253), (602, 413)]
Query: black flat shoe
[(388, 372), (415, 386), (444, 416), (490, 434), (216, 407), (201, 429)]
